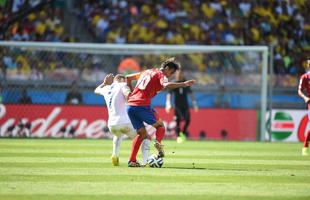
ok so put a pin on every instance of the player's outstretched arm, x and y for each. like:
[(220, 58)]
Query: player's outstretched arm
[(108, 80), (131, 77), (172, 85), (134, 76)]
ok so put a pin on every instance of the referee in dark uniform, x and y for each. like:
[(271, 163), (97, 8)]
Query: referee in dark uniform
[(181, 106)]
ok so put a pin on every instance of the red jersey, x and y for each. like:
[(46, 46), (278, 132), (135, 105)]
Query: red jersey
[(304, 84), (150, 82)]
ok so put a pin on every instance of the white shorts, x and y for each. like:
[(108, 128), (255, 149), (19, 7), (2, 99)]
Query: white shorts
[(126, 129)]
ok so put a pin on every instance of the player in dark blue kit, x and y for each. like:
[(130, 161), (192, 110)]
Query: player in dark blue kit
[(181, 106)]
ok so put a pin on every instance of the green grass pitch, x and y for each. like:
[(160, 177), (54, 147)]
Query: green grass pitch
[(81, 169)]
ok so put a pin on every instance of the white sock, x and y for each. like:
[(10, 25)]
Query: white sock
[(145, 150), (116, 145)]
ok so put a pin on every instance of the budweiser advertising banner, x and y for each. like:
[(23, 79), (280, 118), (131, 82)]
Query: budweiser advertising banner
[(287, 125), (91, 121)]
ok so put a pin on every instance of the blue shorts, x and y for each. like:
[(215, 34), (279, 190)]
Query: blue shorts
[(140, 114)]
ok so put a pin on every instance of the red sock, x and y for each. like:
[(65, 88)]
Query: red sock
[(306, 143), (136, 143), (160, 133)]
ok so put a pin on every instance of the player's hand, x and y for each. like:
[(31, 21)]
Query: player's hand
[(307, 100), (189, 83), (108, 80)]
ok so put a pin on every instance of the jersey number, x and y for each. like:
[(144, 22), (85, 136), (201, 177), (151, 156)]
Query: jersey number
[(142, 83), (110, 97)]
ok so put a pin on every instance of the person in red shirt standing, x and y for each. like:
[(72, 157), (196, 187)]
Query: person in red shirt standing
[(139, 109), (304, 92)]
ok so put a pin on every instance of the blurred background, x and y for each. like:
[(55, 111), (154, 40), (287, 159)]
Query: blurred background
[(36, 82)]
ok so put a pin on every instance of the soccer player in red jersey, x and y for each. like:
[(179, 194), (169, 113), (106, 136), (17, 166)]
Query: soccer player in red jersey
[(304, 92), (139, 110)]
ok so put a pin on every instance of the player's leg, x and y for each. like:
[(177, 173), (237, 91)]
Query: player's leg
[(181, 135), (306, 144), (145, 148), (187, 119), (135, 114), (116, 149), (116, 144), (307, 139), (178, 122), (159, 134), (136, 143), (149, 116)]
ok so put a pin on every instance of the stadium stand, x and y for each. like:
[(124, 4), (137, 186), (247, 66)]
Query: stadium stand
[(179, 22), (283, 24), (258, 22)]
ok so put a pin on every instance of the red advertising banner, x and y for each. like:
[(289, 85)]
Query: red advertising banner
[(90, 122), (230, 124)]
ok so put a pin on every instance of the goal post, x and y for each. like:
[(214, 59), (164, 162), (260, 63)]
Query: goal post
[(211, 64)]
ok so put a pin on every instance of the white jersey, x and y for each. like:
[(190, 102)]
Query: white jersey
[(116, 103)]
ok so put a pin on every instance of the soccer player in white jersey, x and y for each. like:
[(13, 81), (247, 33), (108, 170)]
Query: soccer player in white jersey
[(115, 92)]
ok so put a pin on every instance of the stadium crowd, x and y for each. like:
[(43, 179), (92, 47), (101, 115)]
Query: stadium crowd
[(282, 23), (42, 24)]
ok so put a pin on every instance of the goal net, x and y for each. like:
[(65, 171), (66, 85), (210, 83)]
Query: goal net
[(229, 78)]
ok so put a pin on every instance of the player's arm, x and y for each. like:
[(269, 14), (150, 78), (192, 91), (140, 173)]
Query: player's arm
[(131, 77), (108, 80), (172, 85), (302, 95), (301, 88), (126, 91)]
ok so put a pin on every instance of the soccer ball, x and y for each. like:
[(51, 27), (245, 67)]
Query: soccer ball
[(155, 161)]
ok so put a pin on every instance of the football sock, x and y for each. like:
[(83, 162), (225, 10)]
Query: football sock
[(306, 143), (145, 150), (186, 124), (136, 143), (160, 133), (178, 128), (116, 145)]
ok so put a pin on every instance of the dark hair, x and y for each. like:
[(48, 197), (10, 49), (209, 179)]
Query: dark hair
[(171, 63)]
